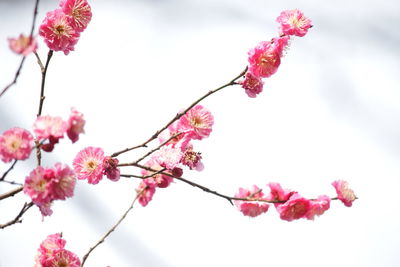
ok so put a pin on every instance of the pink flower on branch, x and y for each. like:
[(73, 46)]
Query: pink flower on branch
[(264, 59), (251, 208), (15, 144), (110, 168), (295, 208), (145, 192), (38, 185), (88, 164), (23, 45), (318, 206), (197, 122), (64, 182), (345, 194), (57, 31), (79, 11), (75, 123), (253, 85), (293, 22), (156, 180)]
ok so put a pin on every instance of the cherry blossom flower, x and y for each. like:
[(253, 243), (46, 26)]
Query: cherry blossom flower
[(293, 22), (38, 185), (318, 206), (192, 159), (345, 194), (158, 180), (47, 126), (145, 192), (253, 85), (64, 182), (294, 208), (79, 11), (264, 59), (198, 122), (75, 123), (168, 157), (278, 194), (110, 168), (52, 253), (281, 44), (88, 164), (57, 31), (251, 208), (15, 143), (23, 45)]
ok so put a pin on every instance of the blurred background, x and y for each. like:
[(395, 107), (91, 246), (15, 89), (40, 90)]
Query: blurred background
[(330, 112)]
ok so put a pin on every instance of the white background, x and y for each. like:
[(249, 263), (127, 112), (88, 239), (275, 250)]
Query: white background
[(330, 112)]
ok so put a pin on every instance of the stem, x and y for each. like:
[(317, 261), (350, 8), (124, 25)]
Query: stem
[(9, 169), (11, 193), (179, 115), (18, 219), (112, 229), (44, 71)]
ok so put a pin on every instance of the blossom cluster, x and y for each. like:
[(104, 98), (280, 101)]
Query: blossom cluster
[(52, 253), (177, 152), (61, 28), (265, 58), (91, 164), (44, 185), (289, 204), (52, 129)]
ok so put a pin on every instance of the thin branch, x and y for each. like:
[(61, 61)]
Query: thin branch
[(11, 193), (9, 169), (112, 228), (179, 115), (11, 182), (35, 11), (44, 71), (18, 219)]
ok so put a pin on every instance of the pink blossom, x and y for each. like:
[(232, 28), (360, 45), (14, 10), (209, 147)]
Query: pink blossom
[(15, 143), (345, 194), (64, 182), (75, 123), (253, 85), (79, 11), (168, 157), (38, 185), (88, 164), (251, 208), (23, 45), (281, 44), (47, 126), (295, 208), (146, 193), (158, 180), (110, 168), (192, 159), (198, 122), (52, 253), (45, 209), (293, 22), (278, 194), (57, 31), (318, 206), (264, 59)]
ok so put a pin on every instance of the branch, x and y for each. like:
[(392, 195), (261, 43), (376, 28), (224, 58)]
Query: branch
[(11, 193), (9, 169), (35, 11), (112, 228), (18, 219), (44, 71), (179, 115)]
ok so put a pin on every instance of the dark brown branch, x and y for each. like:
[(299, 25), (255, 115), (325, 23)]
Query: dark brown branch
[(44, 72), (18, 219), (179, 115), (9, 169), (112, 228), (11, 193)]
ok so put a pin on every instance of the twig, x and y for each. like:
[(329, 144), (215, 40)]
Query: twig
[(179, 115), (11, 193), (9, 169), (44, 71), (11, 182), (112, 228), (18, 219), (35, 11)]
